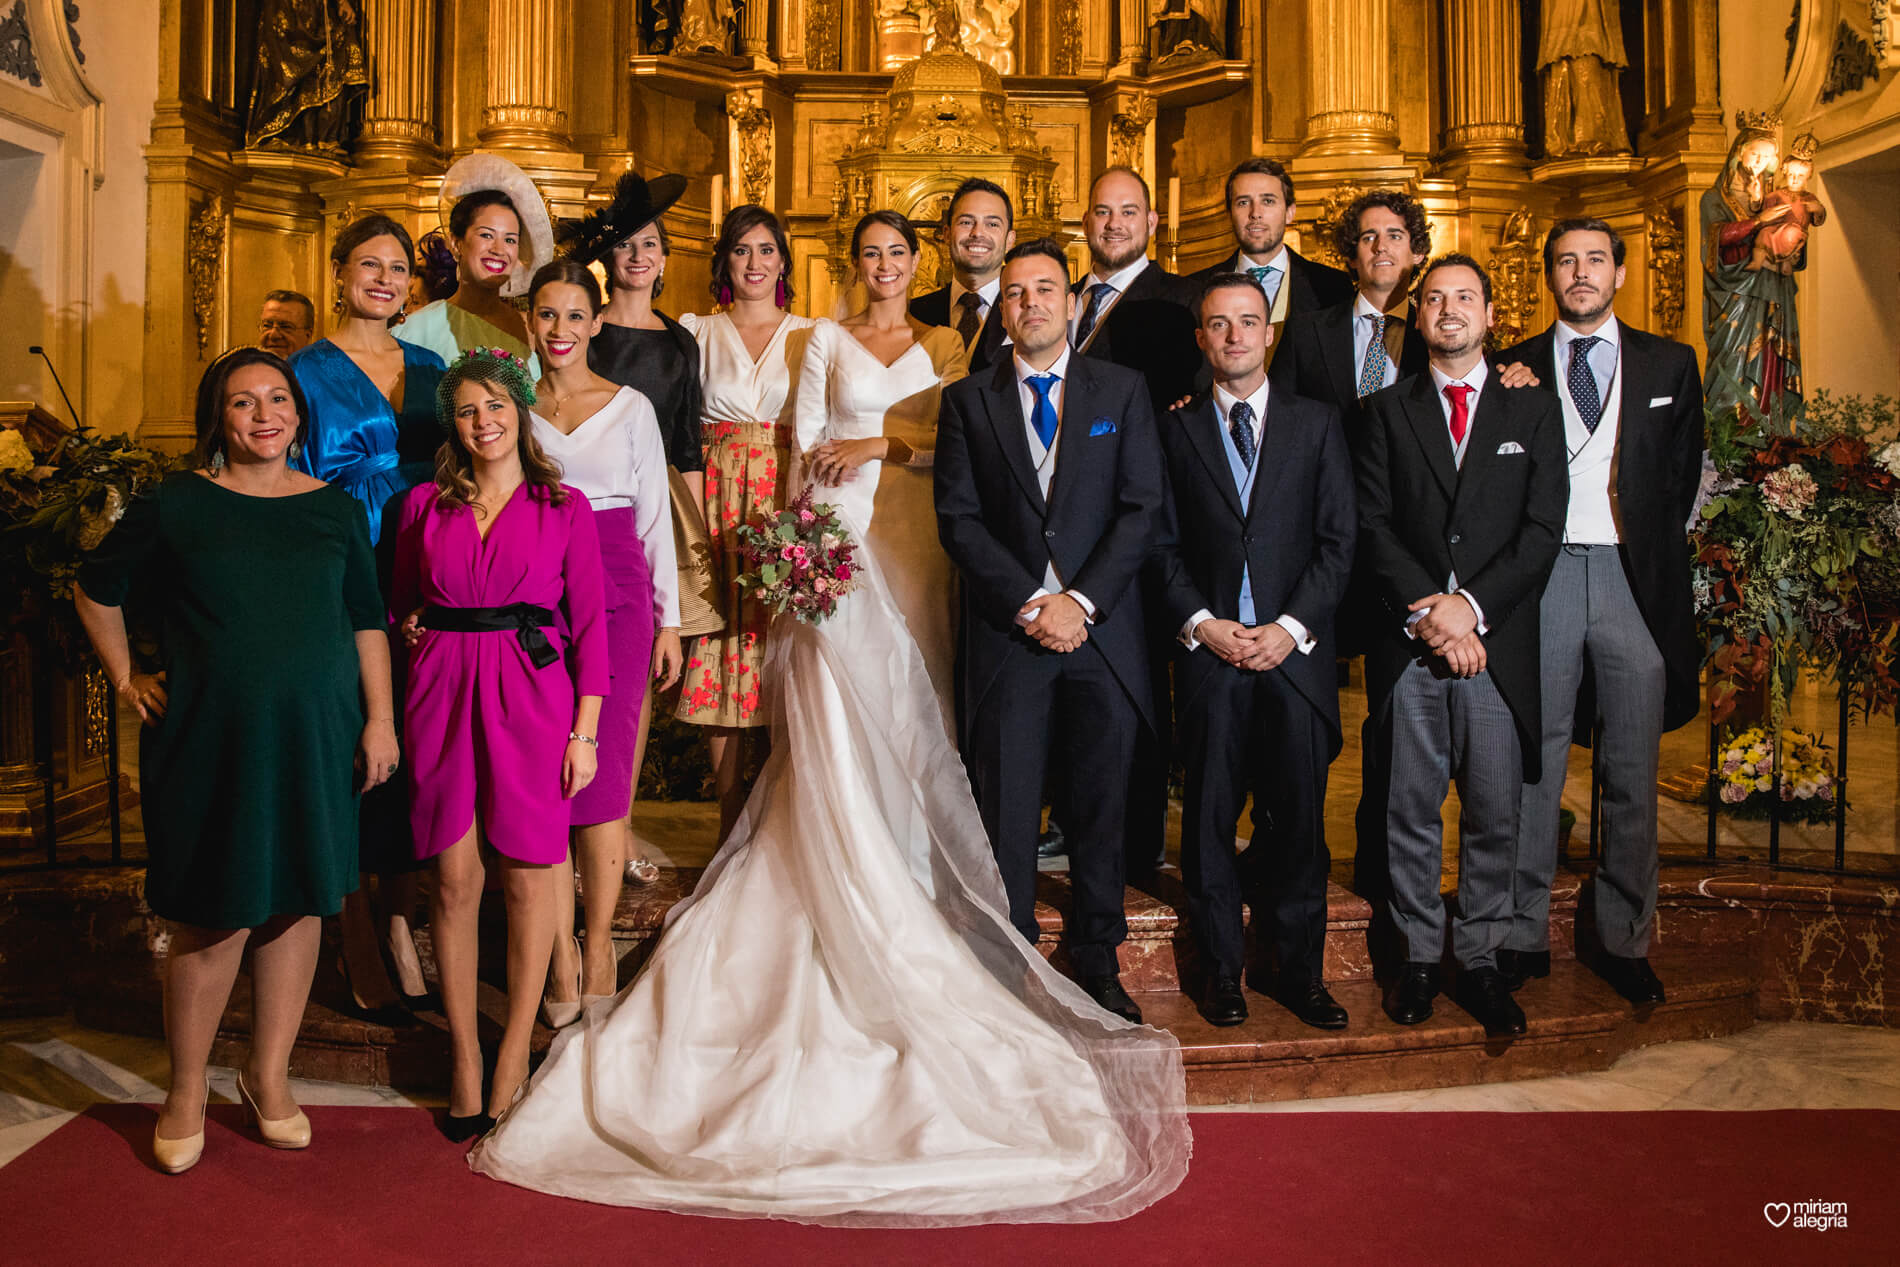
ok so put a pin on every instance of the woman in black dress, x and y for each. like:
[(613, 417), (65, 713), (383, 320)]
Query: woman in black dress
[(642, 348), (275, 680)]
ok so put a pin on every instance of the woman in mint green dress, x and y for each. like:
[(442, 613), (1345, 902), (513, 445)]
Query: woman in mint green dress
[(269, 715)]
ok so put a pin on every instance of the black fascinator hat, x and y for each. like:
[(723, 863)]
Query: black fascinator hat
[(637, 202)]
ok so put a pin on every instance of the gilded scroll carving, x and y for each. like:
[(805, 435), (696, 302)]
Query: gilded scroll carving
[(204, 262), (1666, 269), (1514, 268), (1128, 131), (752, 134)]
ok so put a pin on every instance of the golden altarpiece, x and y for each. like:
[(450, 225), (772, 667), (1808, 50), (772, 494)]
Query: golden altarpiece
[(1499, 115)]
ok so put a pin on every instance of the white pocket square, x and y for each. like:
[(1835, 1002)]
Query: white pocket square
[(1510, 446), (1657, 402)]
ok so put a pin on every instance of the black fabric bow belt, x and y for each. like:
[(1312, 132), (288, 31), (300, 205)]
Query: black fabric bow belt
[(525, 619)]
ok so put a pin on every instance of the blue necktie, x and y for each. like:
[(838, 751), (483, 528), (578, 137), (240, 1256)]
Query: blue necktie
[(1240, 427), (1372, 373), (1045, 417), (1583, 382), (1098, 299), (1269, 280)]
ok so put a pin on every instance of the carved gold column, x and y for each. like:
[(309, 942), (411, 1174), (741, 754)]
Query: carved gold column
[(399, 119), (754, 22), (1134, 32), (1349, 78), (530, 75), (1484, 97)]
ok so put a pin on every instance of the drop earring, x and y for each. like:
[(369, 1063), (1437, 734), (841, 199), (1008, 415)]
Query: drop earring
[(337, 306), (779, 296), (217, 463), (725, 294), (659, 285)]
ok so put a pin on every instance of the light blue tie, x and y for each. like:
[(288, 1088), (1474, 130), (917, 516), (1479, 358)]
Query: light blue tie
[(1268, 278), (1045, 416)]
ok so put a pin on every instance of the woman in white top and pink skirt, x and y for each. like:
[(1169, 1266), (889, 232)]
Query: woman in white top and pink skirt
[(607, 441)]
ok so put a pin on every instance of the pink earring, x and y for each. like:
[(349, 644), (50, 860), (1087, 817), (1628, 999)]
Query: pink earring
[(725, 294), (779, 296)]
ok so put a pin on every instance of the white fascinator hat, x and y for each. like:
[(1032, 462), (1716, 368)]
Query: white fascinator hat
[(474, 173)]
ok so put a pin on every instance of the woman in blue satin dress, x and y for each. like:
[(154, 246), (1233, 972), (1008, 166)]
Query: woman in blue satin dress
[(373, 433)]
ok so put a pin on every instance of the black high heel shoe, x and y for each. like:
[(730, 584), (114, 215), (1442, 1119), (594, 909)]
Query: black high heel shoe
[(459, 1130), (389, 1014)]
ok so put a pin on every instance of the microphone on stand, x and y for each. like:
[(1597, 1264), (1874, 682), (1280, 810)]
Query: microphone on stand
[(37, 350)]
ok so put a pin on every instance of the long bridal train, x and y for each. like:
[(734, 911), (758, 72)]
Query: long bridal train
[(840, 1026)]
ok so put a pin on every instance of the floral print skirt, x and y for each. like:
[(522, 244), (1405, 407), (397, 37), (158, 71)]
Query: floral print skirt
[(746, 465)]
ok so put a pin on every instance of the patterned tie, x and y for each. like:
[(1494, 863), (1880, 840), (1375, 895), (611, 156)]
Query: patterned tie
[(1240, 427), (1458, 394), (1098, 299), (1268, 278), (1045, 416), (1372, 373), (1583, 382), (969, 321)]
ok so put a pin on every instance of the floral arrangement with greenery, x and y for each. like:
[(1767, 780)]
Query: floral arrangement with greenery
[(1797, 554), (56, 505), (1744, 778)]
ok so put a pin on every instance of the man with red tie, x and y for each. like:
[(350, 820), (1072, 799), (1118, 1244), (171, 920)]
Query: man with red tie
[(1462, 492)]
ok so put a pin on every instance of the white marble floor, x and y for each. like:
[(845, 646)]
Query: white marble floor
[(52, 1069)]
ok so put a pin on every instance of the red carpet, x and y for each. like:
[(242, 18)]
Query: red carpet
[(382, 1187)]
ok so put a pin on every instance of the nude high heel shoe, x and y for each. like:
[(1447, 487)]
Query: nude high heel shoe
[(176, 1156), (282, 1132), (560, 1015)]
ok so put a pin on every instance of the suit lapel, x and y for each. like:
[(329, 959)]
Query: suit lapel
[(1072, 429), (1637, 453), (1428, 426), (1276, 435), (1481, 446), (1335, 343), (1301, 297), (1004, 404), (1203, 426)]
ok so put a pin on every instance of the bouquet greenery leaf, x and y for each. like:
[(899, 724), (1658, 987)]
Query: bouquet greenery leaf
[(801, 561)]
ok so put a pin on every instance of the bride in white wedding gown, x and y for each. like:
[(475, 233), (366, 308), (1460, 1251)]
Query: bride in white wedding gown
[(840, 1025)]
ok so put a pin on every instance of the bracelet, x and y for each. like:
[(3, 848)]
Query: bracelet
[(589, 740)]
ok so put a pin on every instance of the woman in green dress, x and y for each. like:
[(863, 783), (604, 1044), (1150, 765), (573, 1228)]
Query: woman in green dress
[(270, 715)]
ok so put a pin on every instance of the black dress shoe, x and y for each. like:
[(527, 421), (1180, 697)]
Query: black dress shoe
[(1223, 1004), (1312, 1003), (1052, 843), (1519, 966), (1633, 979), (1411, 999), (462, 1129), (1485, 994), (1108, 994)]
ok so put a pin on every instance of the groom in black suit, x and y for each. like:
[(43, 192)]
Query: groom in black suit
[(1263, 495), (1050, 496)]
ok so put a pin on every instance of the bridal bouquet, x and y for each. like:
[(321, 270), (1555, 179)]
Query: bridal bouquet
[(801, 561)]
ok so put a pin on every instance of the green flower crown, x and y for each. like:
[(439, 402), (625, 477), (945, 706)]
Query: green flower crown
[(491, 366)]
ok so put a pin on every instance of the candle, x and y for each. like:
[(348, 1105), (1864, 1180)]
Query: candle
[(1174, 205), (718, 198)]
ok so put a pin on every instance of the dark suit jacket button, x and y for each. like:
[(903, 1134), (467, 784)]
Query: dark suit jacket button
[(1246, 538), (1048, 532), (1456, 538)]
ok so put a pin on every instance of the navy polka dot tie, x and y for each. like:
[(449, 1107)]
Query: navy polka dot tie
[(1240, 427), (1583, 382)]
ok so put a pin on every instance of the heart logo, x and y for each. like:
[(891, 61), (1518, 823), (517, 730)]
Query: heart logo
[(1776, 1212)]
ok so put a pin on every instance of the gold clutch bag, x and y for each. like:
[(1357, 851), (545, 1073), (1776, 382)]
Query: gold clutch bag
[(700, 611)]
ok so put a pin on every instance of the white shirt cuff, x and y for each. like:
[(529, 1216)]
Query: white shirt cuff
[(1302, 640), (1088, 608), (1476, 610), (1186, 635), (1022, 618)]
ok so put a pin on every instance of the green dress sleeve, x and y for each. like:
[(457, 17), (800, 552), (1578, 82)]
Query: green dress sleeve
[(107, 572), (362, 595)]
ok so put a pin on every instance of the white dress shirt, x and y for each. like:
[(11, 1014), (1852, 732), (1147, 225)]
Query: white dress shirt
[(1224, 402), (1045, 460), (1363, 311), (1120, 281), (1591, 519)]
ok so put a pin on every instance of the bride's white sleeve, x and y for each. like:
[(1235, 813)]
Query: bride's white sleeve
[(811, 411)]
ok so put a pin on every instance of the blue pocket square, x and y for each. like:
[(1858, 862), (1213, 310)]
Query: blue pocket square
[(1103, 426)]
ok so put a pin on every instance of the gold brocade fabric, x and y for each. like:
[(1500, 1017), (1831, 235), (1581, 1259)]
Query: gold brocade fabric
[(310, 62)]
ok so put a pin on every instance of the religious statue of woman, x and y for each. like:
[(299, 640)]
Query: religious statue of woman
[(1748, 314), (1580, 58), (706, 26), (312, 74)]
